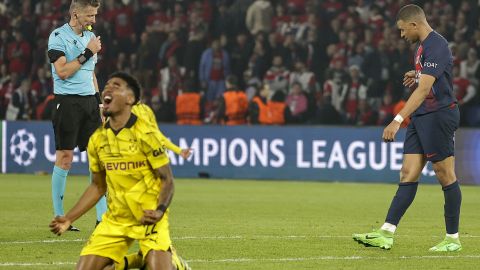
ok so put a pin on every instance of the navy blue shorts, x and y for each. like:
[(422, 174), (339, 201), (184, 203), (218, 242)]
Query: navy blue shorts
[(432, 134)]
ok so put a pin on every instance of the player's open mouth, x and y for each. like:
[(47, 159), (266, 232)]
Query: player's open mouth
[(107, 99)]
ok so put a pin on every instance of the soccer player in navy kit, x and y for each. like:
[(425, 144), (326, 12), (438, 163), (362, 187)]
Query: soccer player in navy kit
[(72, 51), (430, 135)]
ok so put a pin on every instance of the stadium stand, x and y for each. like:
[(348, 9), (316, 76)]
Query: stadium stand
[(329, 62)]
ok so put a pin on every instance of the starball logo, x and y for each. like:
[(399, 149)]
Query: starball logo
[(23, 147)]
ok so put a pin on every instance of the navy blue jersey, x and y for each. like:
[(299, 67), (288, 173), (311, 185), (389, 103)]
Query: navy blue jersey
[(434, 58)]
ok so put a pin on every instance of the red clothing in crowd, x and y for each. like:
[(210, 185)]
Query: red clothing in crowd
[(123, 18), (18, 54), (216, 74)]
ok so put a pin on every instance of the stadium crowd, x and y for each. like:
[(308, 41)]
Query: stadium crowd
[(244, 61)]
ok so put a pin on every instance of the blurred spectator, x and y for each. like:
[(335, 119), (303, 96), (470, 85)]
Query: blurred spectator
[(470, 67), (42, 84), (19, 105), (365, 115), (189, 107), (356, 91), (257, 64), (4, 41), (259, 17), (335, 88), (172, 47), (171, 80), (45, 109), (297, 103), (214, 67), (463, 89), (277, 77), (195, 45), (304, 77), (221, 24), (385, 113), (326, 113), (268, 111), (233, 105), (18, 54), (146, 60), (240, 53)]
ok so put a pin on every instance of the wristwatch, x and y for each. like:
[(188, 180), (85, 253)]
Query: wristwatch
[(81, 58)]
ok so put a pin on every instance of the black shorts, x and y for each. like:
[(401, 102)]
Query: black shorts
[(75, 118), (433, 134)]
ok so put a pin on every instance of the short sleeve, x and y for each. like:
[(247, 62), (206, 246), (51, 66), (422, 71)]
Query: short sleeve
[(93, 159), (436, 60), (155, 149), (55, 41)]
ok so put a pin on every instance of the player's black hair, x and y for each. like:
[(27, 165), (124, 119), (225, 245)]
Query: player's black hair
[(410, 12), (131, 81)]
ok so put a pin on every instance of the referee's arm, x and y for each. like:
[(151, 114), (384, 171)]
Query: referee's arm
[(66, 69), (63, 69)]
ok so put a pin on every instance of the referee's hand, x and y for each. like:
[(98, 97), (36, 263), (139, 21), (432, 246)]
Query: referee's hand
[(59, 225), (95, 45)]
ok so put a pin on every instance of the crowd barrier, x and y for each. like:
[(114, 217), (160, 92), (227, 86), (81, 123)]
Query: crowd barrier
[(318, 153)]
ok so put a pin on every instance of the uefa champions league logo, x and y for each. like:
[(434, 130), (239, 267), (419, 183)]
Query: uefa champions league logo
[(23, 147)]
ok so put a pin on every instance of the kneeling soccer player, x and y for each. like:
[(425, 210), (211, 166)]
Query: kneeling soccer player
[(129, 163)]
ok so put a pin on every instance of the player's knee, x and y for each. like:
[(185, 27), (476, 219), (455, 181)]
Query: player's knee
[(64, 159), (444, 173), (407, 175)]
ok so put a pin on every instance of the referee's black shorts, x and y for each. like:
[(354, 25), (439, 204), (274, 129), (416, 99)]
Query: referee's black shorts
[(75, 118)]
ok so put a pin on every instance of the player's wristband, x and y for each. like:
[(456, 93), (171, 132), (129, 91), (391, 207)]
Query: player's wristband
[(85, 56), (398, 118), (162, 207), (97, 96)]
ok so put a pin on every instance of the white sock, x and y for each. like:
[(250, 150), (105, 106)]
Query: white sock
[(454, 235), (389, 227)]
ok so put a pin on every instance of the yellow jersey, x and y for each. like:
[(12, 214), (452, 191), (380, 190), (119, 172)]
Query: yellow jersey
[(144, 112), (128, 156)]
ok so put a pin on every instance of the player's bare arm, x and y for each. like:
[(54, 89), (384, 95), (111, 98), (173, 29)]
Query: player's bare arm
[(165, 175), (416, 99), (66, 69), (90, 197)]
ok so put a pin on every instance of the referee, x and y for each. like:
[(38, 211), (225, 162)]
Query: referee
[(72, 50)]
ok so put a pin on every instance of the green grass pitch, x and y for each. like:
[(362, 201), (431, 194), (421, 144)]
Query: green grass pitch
[(223, 224)]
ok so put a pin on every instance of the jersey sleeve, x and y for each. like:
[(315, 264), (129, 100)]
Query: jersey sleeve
[(436, 60), (155, 149), (55, 42), (170, 145), (93, 159)]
